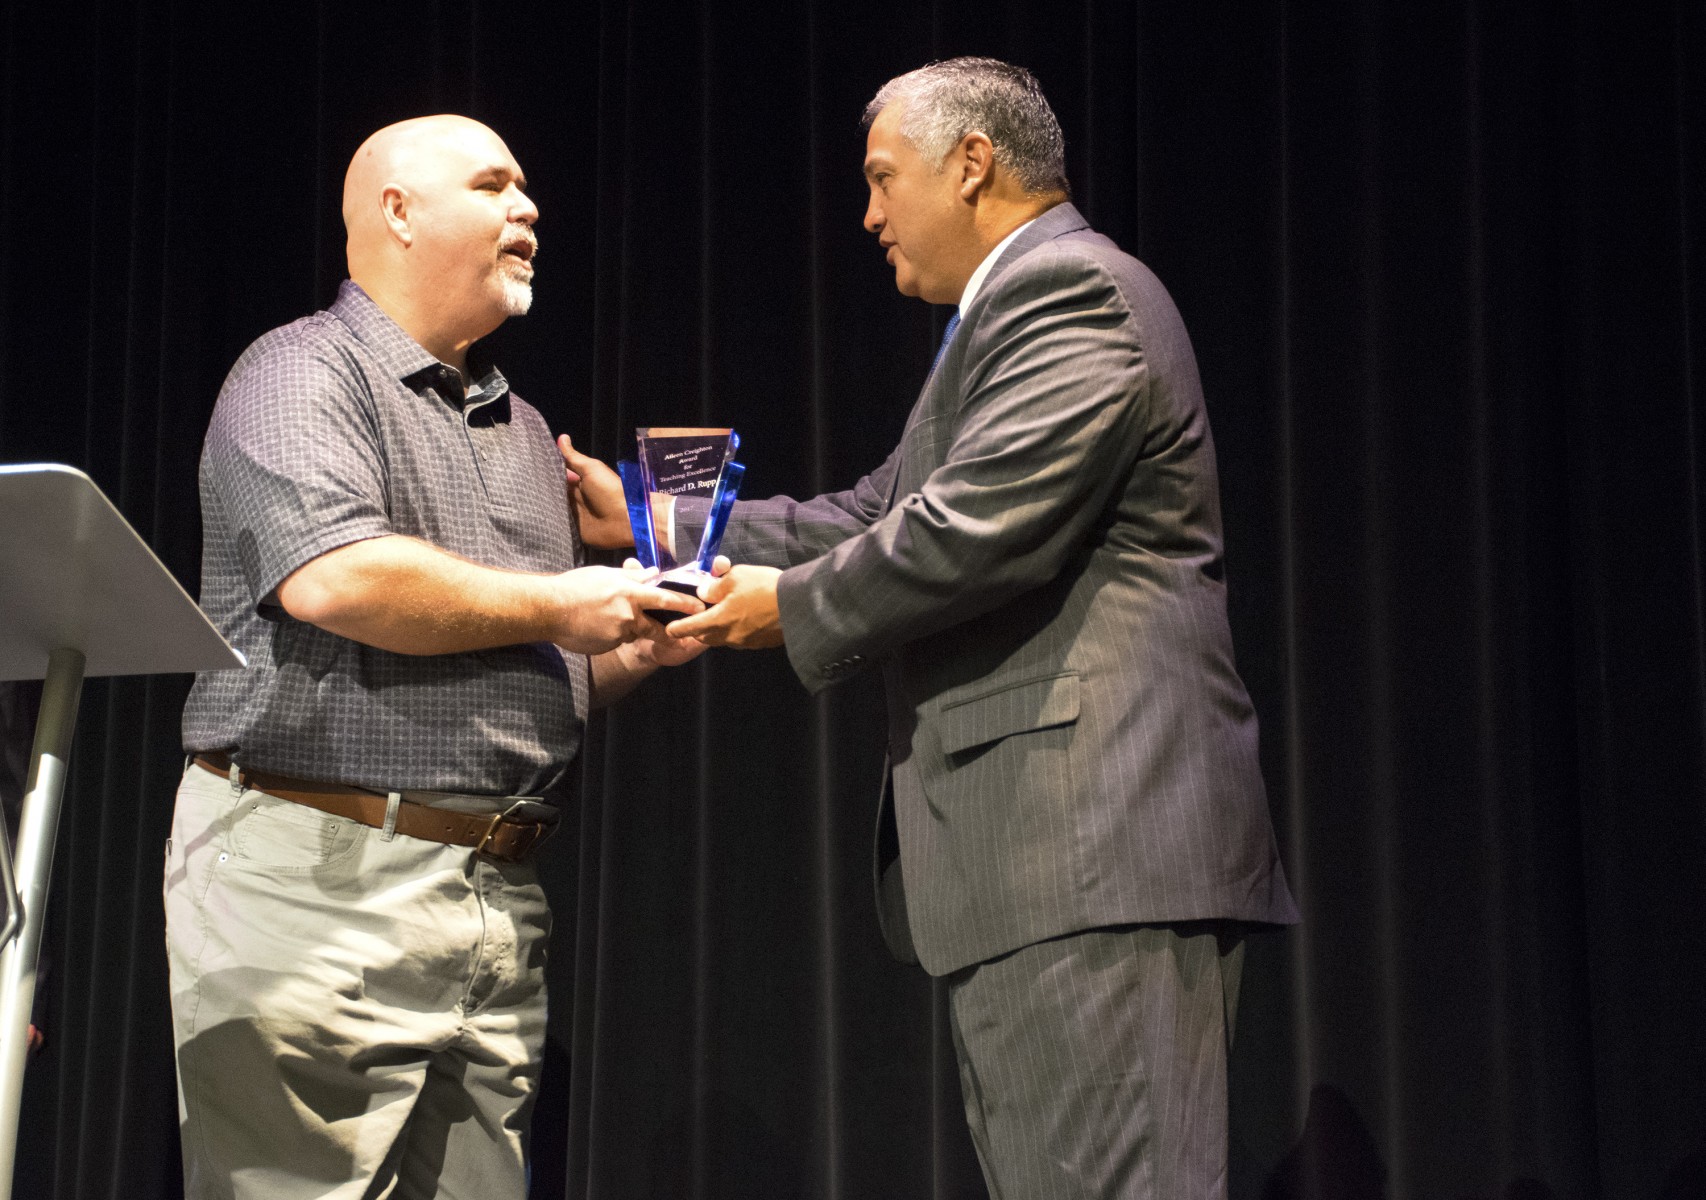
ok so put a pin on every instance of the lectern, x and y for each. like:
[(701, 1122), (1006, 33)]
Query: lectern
[(80, 595)]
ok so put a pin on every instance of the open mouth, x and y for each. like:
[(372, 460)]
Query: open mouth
[(520, 249)]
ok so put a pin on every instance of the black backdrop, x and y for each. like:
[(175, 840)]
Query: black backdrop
[(1443, 266)]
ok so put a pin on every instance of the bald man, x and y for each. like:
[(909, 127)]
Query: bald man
[(355, 932)]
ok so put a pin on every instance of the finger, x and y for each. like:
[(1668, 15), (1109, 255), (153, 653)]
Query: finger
[(567, 449), (717, 589), (679, 602), (575, 460), (721, 565), (707, 627), (674, 652)]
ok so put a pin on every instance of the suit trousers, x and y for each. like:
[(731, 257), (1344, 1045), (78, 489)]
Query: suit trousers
[(355, 1016), (1094, 1065)]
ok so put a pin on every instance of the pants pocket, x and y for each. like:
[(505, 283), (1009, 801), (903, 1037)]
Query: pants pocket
[(282, 835)]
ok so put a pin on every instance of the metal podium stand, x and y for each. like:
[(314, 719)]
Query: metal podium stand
[(80, 595)]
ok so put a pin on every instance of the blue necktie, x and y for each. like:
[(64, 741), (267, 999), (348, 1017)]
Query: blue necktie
[(947, 336)]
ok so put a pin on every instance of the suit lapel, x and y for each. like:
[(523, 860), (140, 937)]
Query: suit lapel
[(924, 413), (943, 382)]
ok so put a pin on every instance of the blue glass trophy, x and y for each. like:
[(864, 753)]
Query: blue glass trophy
[(679, 461)]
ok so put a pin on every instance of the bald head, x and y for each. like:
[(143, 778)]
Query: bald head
[(409, 155), (439, 229)]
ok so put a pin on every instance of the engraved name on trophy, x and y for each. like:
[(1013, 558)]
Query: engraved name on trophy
[(677, 461)]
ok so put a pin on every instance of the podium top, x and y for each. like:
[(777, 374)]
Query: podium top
[(73, 573)]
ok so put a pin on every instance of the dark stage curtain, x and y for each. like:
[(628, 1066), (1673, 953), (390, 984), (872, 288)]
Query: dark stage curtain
[(1443, 264)]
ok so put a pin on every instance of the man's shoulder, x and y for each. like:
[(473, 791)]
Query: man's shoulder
[(1080, 268), (301, 366), (319, 335), (1078, 262), (312, 352), (1080, 250)]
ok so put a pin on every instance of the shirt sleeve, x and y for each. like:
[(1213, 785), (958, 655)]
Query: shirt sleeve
[(294, 457)]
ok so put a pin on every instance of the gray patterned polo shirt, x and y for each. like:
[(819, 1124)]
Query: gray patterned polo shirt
[(340, 427)]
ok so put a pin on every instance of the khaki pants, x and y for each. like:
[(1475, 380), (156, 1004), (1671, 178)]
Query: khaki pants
[(355, 1017)]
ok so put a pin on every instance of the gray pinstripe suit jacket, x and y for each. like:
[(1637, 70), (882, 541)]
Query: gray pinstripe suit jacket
[(1037, 567)]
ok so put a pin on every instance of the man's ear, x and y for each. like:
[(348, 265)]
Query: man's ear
[(975, 158), (394, 206)]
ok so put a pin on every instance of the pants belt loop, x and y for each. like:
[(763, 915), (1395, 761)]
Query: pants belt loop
[(236, 778), (393, 801)]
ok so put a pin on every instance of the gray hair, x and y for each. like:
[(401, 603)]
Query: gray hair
[(947, 100)]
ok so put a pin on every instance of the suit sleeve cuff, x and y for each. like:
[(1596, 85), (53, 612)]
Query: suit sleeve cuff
[(811, 647)]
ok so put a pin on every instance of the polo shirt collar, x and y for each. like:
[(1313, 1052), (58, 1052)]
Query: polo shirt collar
[(399, 353), (395, 350)]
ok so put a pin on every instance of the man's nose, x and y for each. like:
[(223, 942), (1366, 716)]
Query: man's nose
[(873, 216), (523, 209)]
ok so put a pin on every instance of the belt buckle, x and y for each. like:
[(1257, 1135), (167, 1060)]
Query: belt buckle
[(532, 833)]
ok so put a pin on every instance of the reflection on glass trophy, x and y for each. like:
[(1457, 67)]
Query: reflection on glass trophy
[(676, 461)]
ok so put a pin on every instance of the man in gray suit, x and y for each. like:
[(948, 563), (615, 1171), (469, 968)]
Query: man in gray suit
[(1083, 831)]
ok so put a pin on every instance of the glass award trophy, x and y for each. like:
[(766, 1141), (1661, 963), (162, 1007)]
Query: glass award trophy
[(677, 461)]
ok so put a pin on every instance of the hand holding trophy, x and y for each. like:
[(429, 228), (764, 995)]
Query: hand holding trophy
[(679, 461)]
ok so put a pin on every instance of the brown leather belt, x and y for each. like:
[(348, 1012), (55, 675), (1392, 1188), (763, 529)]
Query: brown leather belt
[(497, 836)]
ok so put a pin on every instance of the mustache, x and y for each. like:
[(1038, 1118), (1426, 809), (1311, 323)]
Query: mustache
[(515, 232)]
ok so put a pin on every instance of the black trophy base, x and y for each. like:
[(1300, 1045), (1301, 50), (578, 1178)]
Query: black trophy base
[(685, 580)]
